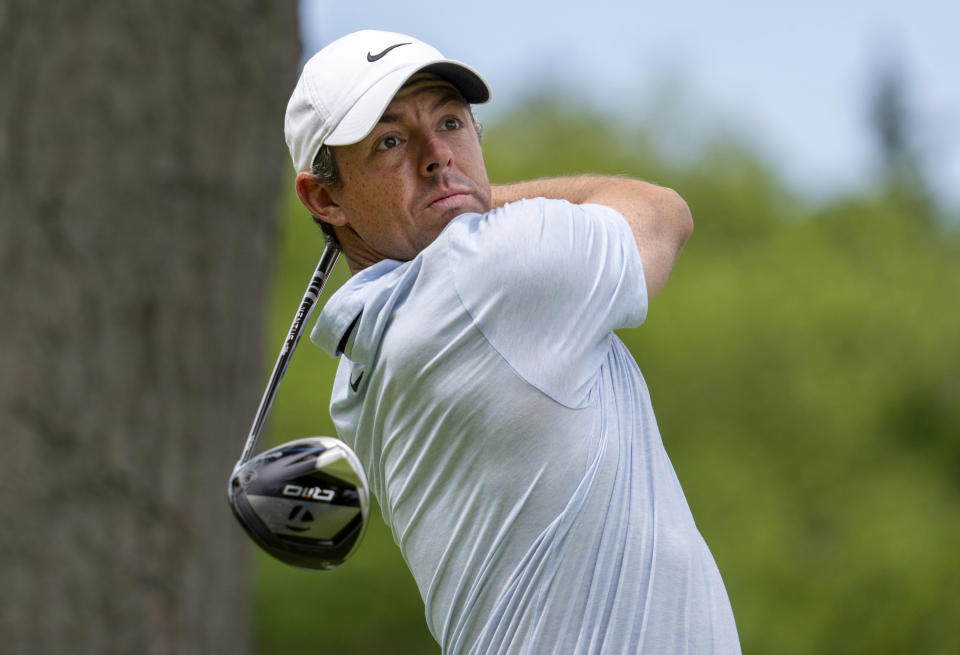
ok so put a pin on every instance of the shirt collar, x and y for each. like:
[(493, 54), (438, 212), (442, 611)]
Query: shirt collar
[(341, 314)]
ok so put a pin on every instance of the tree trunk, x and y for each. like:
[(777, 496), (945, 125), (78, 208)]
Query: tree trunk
[(141, 167)]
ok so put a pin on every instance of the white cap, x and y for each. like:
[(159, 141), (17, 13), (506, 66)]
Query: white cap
[(345, 88)]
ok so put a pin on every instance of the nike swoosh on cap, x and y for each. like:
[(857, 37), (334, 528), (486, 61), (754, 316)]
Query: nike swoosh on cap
[(380, 55)]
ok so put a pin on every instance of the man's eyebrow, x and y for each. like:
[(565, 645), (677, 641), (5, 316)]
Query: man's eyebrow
[(450, 95)]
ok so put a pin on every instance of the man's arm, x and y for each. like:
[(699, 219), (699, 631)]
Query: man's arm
[(659, 217)]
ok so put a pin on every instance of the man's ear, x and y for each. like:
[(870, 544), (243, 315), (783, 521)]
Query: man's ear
[(315, 196)]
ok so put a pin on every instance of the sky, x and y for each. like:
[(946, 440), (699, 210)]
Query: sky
[(791, 78)]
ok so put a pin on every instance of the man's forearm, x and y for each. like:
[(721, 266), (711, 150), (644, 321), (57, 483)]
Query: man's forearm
[(577, 189), (658, 216)]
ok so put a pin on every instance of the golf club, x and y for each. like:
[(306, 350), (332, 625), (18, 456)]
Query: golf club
[(305, 502)]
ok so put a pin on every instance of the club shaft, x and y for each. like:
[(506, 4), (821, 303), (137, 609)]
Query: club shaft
[(327, 259)]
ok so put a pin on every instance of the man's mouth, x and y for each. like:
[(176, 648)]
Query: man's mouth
[(448, 200)]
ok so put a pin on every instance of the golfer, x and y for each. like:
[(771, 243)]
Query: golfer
[(506, 431)]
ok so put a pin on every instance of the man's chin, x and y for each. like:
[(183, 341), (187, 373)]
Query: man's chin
[(428, 236)]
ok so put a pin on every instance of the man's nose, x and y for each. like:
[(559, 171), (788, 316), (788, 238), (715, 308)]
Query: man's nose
[(437, 155)]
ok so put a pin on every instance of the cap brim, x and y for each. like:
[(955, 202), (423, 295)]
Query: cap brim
[(367, 110)]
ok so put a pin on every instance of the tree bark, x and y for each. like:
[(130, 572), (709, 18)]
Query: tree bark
[(141, 168)]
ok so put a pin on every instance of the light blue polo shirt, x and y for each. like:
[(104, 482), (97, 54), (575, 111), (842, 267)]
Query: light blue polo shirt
[(508, 436)]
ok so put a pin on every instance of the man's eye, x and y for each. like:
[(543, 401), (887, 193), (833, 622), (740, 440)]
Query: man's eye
[(387, 142), (452, 124)]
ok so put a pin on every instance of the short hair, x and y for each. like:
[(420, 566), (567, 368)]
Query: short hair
[(324, 167)]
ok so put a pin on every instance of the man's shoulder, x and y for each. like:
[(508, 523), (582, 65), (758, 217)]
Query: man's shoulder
[(530, 230)]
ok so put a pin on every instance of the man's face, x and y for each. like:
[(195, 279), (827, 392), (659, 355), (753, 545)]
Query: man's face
[(419, 168)]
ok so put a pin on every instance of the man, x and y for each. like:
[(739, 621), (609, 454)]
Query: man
[(506, 432)]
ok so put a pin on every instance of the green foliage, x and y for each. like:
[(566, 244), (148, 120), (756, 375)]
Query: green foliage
[(805, 368), (806, 387)]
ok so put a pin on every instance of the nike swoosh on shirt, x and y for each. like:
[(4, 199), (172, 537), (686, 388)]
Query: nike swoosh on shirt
[(380, 55), (355, 384)]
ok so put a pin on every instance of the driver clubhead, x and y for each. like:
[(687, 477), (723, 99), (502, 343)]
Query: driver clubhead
[(306, 502)]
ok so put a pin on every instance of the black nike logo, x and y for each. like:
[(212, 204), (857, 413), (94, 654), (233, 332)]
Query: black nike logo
[(355, 384), (380, 55)]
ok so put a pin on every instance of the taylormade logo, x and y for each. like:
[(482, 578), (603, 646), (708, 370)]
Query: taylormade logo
[(310, 493)]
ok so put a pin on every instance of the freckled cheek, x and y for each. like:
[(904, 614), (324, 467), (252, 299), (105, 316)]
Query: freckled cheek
[(373, 205)]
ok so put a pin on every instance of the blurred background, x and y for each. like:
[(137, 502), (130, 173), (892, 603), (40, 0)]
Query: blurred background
[(803, 359)]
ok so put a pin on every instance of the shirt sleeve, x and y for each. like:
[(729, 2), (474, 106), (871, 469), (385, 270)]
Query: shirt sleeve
[(547, 282)]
